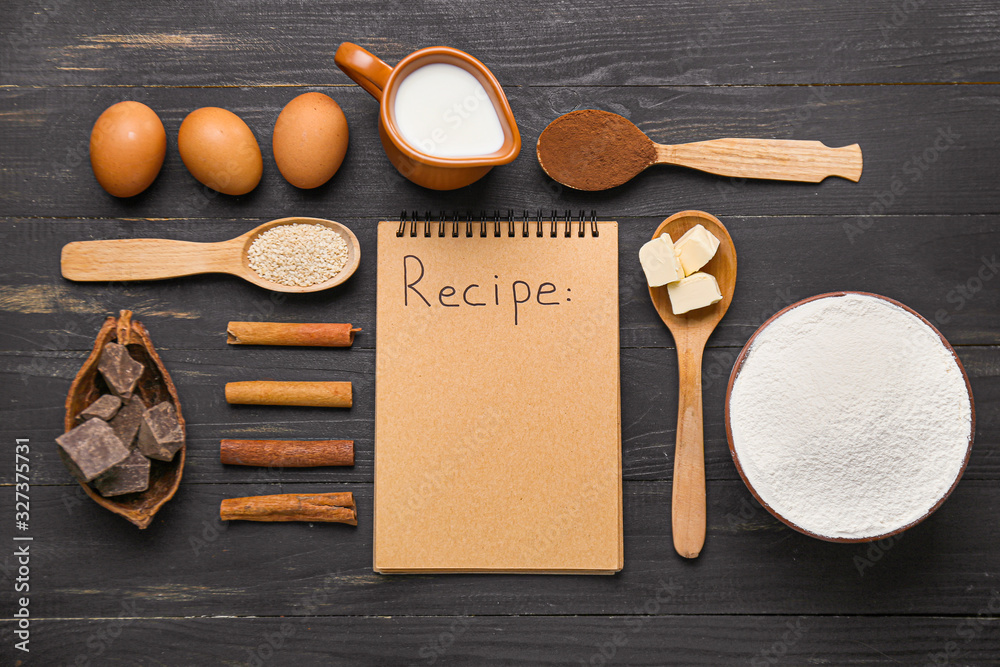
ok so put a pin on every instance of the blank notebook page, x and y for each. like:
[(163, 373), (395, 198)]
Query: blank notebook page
[(498, 428)]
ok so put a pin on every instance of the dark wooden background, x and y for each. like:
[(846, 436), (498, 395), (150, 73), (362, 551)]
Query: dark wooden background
[(914, 82)]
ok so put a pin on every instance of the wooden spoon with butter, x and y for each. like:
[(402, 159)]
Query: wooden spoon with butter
[(596, 150), (691, 331)]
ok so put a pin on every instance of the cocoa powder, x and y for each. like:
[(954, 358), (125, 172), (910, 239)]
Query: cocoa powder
[(593, 150)]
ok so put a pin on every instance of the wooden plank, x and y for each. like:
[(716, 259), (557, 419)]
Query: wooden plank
[(649, 400), (65, 62), (49, 324), (933, 144), (87, 562), (201, 377), (587, 42), (490, 640), (945, 267)]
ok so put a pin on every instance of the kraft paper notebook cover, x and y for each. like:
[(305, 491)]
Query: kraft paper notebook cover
[(498, 420)]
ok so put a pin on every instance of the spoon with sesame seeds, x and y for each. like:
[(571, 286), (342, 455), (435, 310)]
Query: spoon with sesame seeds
[(309, 265)]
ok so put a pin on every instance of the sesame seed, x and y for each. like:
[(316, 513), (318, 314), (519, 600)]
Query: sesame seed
[(298, 255)]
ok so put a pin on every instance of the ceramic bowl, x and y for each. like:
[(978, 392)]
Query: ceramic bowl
[(763, 501)]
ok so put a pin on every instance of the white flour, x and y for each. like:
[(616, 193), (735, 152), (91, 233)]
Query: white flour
[(850, 417)]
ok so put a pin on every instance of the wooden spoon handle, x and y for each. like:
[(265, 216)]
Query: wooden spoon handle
[(688, 503), (774, 159), (146, 259)]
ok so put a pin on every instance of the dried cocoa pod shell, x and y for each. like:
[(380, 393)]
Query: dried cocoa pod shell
[(155, 386)]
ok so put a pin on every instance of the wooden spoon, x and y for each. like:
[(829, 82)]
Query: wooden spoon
[(596, 150), (153, 259), (691, 331)]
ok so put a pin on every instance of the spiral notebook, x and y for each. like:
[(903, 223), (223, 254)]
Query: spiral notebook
[(497, 396)]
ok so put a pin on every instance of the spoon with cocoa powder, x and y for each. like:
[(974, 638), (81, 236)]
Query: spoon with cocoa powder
[(596, 150)]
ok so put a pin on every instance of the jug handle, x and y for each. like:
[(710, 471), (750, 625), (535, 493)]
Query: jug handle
[(367, 70)]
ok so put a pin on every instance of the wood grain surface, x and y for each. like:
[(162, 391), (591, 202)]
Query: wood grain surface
[(916, 84), (634, 639), (47, 172)]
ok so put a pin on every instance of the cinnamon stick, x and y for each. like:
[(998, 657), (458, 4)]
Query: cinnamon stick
[(288, 453), (313, 394), (326, 507), (313, 334)]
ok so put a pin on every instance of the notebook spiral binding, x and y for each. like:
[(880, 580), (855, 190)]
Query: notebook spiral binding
[(456, 221)]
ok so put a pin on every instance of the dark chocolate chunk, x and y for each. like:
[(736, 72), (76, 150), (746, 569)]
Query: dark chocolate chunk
[(126, 422), (119, 369), (160, 433), (103, 408), (129, 476), (91, 449)]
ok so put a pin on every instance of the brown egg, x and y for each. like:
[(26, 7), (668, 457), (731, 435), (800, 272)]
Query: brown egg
[(220, 151), (127, 146), (310, 140)]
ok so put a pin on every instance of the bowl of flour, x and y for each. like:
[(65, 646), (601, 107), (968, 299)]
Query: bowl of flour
[(849, 417)]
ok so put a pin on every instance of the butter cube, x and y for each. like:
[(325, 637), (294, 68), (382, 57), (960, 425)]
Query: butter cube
[(695, 248), (696, 291), (659, 261)]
